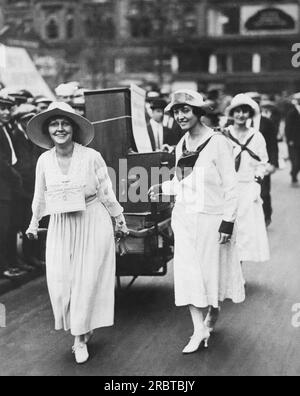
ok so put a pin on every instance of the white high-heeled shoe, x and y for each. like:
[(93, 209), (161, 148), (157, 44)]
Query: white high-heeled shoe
[(81, 352), (196, 341), (212, 318)]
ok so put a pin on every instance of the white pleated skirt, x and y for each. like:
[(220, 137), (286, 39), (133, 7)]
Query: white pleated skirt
[(252, 237), (205, 272), (80, 262)]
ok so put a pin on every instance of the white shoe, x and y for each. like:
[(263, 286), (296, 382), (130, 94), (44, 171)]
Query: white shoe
[(81, 352), (196, 341)]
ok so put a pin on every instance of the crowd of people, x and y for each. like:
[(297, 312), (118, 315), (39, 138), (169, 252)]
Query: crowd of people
[(218, 224)]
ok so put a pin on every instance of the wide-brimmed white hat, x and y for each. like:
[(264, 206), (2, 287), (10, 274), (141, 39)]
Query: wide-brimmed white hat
[(35, 128), (188, 97), (242, 100)]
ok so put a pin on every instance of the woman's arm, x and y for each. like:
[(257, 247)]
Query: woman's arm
[(39, 203), (169, 187), (105, 190)]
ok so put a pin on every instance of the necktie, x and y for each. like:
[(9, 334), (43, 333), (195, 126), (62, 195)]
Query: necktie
[(244, 147)]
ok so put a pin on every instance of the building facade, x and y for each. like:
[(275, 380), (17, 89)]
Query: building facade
[(239, 45)]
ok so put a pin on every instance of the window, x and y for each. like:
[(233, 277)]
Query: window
[(138, 64), (70, 27), (280, 61), (140, 27), (222, 63), (242, 62), (100, 25), (224, 21), (193, 61), (52, 31)]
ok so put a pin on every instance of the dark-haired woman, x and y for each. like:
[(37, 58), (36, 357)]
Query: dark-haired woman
[(251, 162), (73, 186), (206, 266)]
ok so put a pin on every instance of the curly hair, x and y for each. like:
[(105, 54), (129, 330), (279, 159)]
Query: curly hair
[(246, 108), (197, 111)]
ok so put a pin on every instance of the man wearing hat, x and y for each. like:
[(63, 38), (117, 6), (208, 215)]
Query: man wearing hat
[(66, 92), (292, 131), (10, 182), (161, 137), (22, 96), (41, 103)]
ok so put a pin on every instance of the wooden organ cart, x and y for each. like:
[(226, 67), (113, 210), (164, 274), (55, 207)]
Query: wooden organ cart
[(122, 138)]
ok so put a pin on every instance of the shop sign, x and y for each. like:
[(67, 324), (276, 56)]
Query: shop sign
[(275, 19)]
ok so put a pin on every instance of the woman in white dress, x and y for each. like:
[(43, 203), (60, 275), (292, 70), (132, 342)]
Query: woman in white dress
[(206, 265), (73, 186), (251, 162)]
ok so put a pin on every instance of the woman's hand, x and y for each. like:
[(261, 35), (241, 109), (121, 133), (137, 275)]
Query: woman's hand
[(32, 236), (155, 192), (271, 169), (224, 238), (121, 224)]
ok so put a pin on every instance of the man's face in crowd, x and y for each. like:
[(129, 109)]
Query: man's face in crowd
[(42, 107), (66, 98), (5, 114), (158, 115)]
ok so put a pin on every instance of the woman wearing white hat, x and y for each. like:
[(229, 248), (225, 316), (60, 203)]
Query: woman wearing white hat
[(73, 186), (251, 162), (206, 266)]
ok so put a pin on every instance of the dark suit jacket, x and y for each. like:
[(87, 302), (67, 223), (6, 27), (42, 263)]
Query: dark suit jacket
[(10, 179), (292, 128), (27, 154), (268, 129), (171, 138)]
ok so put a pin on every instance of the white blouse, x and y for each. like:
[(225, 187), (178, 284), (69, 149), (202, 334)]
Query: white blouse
[(212, 186), (87, 170), (250, 167)]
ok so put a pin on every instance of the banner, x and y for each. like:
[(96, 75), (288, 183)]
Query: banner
[(17, 71), (139, 125)]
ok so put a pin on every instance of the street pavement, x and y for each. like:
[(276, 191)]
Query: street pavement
[(255, 338)]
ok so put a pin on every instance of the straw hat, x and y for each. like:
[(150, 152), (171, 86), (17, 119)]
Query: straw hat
[(67, 89), (86, 131), (6, 99), (186, 97), (42, 99), (25, 111), (242, 100)]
